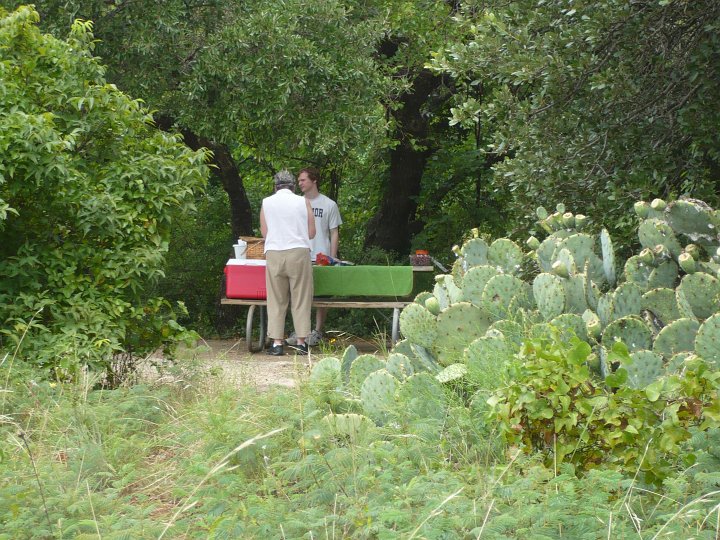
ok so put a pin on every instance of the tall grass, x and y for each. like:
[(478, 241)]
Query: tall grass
[(192, 456)]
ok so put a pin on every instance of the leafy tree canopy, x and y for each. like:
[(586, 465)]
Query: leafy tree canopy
[(88, 189), (592, 102)]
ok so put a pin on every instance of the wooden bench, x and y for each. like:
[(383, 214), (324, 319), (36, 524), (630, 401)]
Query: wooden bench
[(351, 303)]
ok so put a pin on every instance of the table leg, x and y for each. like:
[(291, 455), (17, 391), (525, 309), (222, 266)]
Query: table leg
[(395, 326), (253, 346)]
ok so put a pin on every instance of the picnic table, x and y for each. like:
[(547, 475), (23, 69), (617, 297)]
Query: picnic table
[(349, 287)]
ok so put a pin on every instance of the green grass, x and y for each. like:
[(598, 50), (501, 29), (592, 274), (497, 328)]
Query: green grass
[(195, 458)]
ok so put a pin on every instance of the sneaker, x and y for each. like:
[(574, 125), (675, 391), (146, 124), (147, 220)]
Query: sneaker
[(314, 338), (300, 349), (292, 339), (275, 350)]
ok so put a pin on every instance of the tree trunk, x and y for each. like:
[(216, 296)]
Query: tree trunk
[(224, 167), (391, 227), (241, 216)]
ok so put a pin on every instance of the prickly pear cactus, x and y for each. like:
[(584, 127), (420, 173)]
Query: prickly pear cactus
[(377, 395), (662, 302)]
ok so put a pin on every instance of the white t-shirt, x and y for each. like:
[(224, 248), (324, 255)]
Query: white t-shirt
[(327, 217), (287, 221)]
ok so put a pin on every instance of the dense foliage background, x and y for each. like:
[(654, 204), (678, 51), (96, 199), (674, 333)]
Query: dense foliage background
[(137, 140), (427, 118)]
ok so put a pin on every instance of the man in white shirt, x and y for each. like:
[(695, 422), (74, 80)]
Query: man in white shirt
[(326, 241), (287, 225)]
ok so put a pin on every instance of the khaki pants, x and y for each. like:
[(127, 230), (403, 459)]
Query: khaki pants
[(289, 279)]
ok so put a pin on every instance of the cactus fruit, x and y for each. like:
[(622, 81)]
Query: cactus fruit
[(432, 305), (580, 221), (642, 209), (532, 242), (377, 395), (592, 324), (560, 269), (687, 263), (568, 220), (658, 205), (421, 297)]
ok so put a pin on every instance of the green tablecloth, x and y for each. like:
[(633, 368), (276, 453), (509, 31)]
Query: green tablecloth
[(363, 280)]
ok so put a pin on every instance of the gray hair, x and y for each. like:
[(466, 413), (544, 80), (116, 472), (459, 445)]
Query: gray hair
[(284, 178)]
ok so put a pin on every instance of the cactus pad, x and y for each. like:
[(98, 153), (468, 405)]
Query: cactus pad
[(505, 254), (511, 331), (608, 256), (377, 395), (351, 427), (653, 232), (349, 356), (570, 325), (678, 336), (487, 360), (646, 367), (457, 326), (638, 272), (693, 218), (474, 252), (663, 305), (500, 291), (399, 366), (418, 325), (422, 396), (364, 365), (632, 331), (702, 291), (665, 275), (423, 360), (326, 372), (627, 300), (549, 294), (474, 283), (575, 293), (707, 341), (453, 372)]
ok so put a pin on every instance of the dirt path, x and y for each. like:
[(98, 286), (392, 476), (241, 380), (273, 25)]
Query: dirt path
[(239, 367)]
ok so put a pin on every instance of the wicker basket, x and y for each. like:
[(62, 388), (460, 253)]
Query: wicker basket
[(255, 247)]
